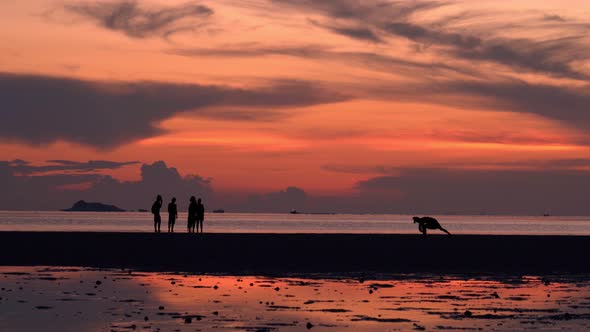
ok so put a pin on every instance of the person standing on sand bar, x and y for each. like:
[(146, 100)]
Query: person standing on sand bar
[(172, 214), (156, 212), (200, 215), (192, 215)]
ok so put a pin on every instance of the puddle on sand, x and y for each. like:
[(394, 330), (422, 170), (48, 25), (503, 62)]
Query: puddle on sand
[(78, 299)]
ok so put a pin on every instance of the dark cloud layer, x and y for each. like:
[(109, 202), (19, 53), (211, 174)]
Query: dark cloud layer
[(139, 21), (156, 178), (54, 191), (556, 188), (41, 109), (459, 191), (569, 105), (562, 103)]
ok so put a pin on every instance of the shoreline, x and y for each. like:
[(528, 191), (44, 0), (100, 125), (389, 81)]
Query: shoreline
[(264, 254)]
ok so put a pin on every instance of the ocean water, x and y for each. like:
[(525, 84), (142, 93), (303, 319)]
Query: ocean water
[(292, 223)]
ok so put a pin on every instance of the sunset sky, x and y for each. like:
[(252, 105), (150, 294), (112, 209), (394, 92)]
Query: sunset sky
[(355, 106)]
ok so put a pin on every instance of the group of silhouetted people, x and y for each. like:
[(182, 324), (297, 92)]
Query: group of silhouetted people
[(196, 214)]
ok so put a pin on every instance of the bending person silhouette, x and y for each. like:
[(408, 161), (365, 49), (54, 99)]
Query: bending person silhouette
[(425, 223), (172, 214), (192, 215), (156, 212), (200, 215)]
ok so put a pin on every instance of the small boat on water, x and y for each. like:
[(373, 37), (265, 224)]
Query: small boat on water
[(294, 212), (219, 211)]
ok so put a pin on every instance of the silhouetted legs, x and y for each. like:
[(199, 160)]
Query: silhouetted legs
[(422, 229), (444, 230), (157, 222), (200, 223), (171, 222)]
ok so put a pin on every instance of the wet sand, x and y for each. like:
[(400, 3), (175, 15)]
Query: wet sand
[(280, 254), (82, 299)]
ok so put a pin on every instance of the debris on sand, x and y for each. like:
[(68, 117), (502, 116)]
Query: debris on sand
[(43, 307), (358, 318), (419, 327)]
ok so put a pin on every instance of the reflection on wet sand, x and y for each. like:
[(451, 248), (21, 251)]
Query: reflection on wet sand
[(77, 299)]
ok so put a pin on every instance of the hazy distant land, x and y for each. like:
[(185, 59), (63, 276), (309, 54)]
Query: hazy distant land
[(83, 206)]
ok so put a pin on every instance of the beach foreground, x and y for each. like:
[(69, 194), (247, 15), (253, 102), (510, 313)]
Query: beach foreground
[(264, 254), (83, 299)]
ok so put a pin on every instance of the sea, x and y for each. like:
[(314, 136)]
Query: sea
[(293, 223)]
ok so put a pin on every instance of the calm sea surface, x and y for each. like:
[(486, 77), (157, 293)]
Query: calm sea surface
[(289, 223)]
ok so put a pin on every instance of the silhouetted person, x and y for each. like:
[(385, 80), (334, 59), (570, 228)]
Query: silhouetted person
[(200, 215), (156, 212), (425, 223), (172, 215), (192, 215)]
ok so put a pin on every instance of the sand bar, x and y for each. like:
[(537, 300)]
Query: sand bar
[(298, 253)]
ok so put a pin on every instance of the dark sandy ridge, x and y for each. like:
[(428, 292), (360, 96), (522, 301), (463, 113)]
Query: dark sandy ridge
[(259, 254)]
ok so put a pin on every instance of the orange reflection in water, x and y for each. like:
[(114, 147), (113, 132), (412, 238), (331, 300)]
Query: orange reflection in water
[(92, 300)]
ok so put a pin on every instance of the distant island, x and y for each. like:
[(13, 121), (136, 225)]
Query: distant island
[(84, 206)]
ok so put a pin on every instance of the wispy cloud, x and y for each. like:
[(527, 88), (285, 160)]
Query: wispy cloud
[(137, 20), (379, 21), (369, 60), (362, 33), (23, 167), (554, 17)]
